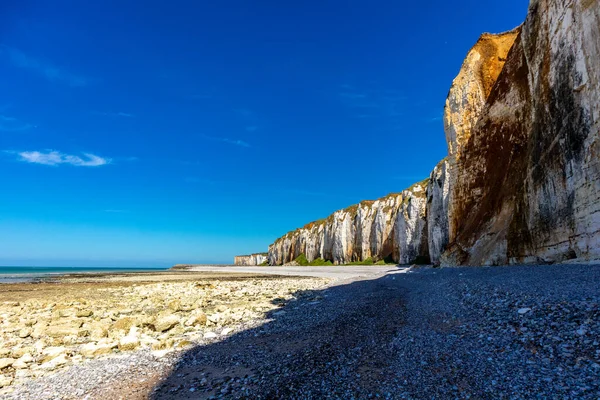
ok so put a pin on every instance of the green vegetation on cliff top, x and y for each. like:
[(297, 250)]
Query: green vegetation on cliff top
[(353, 209)]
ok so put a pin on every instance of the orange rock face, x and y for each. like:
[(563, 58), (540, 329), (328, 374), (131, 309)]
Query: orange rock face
[(526, 172)]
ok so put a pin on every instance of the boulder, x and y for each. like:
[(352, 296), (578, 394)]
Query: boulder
[(55, 362), (165, 322), (90, 350), (5, 381), (127, 343), (50, 353), (6, 362), (25, 332), (84, 313), (60, 331), (197, 318), (124, 324)]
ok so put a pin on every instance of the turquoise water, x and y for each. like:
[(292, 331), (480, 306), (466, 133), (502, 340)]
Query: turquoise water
[(27, 274)]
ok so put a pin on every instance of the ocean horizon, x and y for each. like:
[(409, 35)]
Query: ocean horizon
[(15, 274)]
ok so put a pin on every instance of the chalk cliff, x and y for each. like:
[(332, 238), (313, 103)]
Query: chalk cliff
[(521, 183), (391, 228), (526, 184), (438, 192), (252, 259)]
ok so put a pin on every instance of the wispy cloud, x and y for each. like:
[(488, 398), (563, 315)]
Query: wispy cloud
[(236, 142), (252, 128), (114, 114), (112, 211), (9, 124), (46, 69), (54, 158)]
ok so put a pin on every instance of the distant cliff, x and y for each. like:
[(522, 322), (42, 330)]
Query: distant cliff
[(521, 183), (391, 228), (252, 259)]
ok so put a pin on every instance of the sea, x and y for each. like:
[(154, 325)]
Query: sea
[(31, 274)]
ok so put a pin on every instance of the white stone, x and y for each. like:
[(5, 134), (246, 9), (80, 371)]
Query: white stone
[(226, 331), (210, 335)]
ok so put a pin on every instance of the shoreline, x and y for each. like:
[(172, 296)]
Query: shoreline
[(68, 320)]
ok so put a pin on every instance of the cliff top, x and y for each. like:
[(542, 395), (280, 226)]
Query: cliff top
[(353, 209)]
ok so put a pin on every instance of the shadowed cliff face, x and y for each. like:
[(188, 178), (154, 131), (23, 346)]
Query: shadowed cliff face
[(391, 228), (527, 181)]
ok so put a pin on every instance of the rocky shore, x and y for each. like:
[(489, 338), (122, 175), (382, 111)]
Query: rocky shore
[(50, 326)]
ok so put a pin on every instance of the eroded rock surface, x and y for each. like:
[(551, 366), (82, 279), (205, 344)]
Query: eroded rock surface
[(438, 192), (391, 228), (252, 259)]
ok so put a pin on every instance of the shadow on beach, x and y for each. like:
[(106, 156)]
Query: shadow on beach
[(320, 343)]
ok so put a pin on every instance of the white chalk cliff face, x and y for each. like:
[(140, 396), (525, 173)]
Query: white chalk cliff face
[(521, 183), (392, 228), (438, 192), (251, 260)]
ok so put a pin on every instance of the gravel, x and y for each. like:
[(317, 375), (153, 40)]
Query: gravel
[(493, 332)]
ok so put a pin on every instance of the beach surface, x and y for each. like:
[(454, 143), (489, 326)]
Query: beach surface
[(59, 322), (400, 333)]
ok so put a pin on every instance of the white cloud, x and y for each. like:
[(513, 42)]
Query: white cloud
[(51, 72), (53, 157), (9, 124)]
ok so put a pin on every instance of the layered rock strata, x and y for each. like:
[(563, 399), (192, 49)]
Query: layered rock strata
[(252, 259)]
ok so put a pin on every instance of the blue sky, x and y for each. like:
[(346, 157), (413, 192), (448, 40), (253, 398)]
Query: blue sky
[(149, 133)]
